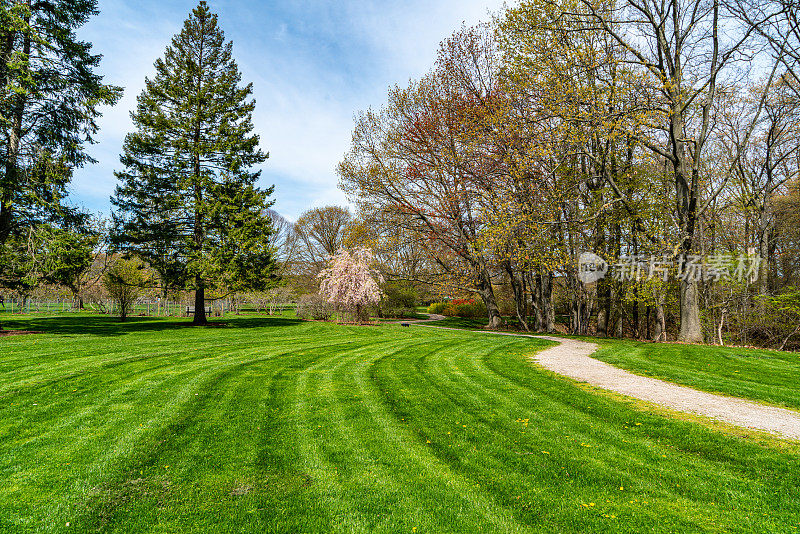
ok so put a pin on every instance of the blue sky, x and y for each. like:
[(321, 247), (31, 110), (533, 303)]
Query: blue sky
[(314, 64)]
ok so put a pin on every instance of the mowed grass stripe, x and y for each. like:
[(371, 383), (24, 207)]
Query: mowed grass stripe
[(271, 425), (463, 443), (363, 467), (447, 498), (582, 465), (199, 460), (159, 415), (463, 496), (684, 464), (98, 399)]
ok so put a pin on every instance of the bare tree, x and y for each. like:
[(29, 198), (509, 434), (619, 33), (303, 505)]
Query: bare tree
[(778, 23), (321, 232), (285, 241), (684, 49)]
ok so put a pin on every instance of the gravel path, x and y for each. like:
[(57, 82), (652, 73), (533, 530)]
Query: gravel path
[(571, 358)]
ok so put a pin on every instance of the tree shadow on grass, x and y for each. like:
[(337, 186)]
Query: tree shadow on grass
[(103, 325)]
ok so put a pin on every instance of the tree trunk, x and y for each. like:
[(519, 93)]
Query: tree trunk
[(199, 230), (661, 323), (543, 302), (200, 304), (518, 287), (77, 298), (538, 312), (686, 175), (581, 309), (547, 303), (487, 295), (604, 312), (691, 330), (764, 238), (579, 324)]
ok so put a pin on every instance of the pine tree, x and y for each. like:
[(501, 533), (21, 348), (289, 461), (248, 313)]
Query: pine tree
[(187, 202), (49, 100), (50, 97)]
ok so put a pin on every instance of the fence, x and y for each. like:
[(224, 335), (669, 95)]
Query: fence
[(107, 306), (32, 305), (144, 307)]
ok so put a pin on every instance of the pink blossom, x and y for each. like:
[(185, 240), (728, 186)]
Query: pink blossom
[(350, 282)]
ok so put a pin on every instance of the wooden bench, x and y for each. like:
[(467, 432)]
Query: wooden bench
[(190, 310)]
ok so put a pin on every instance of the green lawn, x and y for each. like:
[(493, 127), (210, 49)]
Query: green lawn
[(768, 376), (762, 375), (272, 425)]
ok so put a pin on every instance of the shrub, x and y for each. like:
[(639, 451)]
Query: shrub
[(467, 308), (471, 310), (399, 313), (314, 307), (784, 310), (125, 282), (437, 308), (399, 299), (450, 310)]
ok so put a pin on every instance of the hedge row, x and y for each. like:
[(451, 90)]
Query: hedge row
[(459, 308)]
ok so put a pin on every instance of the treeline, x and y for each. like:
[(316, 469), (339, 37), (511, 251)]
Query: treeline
[(661, 136)]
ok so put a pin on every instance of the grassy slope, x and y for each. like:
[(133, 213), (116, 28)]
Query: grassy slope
[(277, 426)]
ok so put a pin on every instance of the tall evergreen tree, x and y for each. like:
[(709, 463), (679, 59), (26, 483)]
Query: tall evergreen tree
[(49, 103), (187, 202)]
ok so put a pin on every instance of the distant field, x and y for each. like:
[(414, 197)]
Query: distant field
[(274, 425)]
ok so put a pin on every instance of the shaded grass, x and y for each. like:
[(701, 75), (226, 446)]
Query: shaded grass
[(278, 426)]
